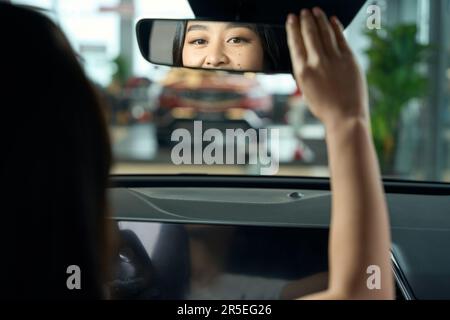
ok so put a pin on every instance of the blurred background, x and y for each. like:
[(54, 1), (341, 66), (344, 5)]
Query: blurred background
[(406, 62)]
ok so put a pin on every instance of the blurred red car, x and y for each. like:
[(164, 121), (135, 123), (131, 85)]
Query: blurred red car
[(220, 100)]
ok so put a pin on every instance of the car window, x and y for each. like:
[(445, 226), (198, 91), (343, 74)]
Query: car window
[(403, 47)]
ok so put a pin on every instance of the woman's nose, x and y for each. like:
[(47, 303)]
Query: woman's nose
[(216, 58)]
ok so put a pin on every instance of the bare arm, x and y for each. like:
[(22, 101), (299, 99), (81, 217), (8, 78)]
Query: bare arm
[(335, 89), (305, 286)]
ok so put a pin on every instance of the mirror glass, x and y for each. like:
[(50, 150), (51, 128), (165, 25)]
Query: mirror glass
[(231, 46)]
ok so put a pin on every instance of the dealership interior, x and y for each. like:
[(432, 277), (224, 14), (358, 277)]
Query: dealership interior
[(409, 87)]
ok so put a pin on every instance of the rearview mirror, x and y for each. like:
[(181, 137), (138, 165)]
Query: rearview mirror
[(205, 44)]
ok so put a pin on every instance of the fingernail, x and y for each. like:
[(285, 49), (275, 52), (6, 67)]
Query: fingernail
[(305, 12), (316, 11), (338, 22), (290, 18)]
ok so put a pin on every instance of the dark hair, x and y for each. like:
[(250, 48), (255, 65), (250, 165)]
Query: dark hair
[(55, 163), (178, 43), (269, 40)]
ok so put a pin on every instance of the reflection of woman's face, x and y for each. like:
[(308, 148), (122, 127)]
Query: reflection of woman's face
[(221, 45)]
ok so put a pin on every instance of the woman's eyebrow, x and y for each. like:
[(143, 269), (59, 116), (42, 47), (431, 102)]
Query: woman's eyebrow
[(193, 27), (240, 25)]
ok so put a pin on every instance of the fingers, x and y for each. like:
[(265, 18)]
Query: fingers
[(311, 36), (295, 42), (338, 30), (326, 32)]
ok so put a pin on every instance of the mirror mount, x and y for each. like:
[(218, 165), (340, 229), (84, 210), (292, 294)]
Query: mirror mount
[(271, 12)]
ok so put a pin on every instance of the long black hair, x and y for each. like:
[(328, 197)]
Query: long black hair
[(55, 164), (272, 40)]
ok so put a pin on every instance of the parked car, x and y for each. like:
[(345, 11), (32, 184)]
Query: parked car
[(219, 100)]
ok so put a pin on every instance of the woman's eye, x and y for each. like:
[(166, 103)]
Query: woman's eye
[(198, 42), (237, 40)]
